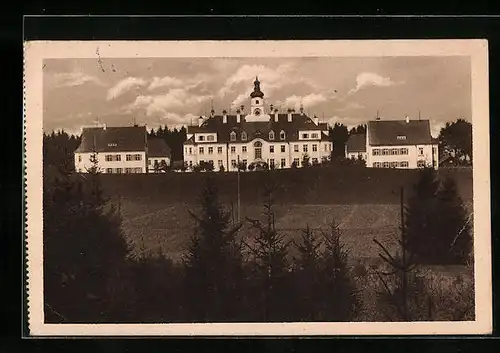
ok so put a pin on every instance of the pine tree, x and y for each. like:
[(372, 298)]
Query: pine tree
[(340, 300), (421, 219), (84, 251), (454, 225), (213, 263), (270, 251)]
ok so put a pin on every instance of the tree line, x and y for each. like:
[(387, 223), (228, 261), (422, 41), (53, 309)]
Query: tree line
[(90, 274)]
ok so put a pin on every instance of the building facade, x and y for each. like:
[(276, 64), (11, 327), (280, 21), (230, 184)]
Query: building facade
[(263, 136), (118, 150), (396, 144)]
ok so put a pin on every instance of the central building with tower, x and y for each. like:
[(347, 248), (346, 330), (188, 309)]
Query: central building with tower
[(260, 136)]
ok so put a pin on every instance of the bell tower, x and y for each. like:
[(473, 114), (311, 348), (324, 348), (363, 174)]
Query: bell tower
[(257, 99)]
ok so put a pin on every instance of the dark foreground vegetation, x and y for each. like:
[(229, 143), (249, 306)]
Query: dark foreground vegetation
[(91, 275)]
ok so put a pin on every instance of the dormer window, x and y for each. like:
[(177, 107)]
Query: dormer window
[(282, 135), (232, 136), (271, 135), (243, 136), (401, 137)]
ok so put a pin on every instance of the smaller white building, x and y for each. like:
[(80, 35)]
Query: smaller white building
[(404, 144), (159, 156), (119, 150)]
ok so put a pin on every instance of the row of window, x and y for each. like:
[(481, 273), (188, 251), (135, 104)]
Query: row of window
[(156, 161), (305, 148), (402, 164), (118, 157), (389, 151), (121, 170)]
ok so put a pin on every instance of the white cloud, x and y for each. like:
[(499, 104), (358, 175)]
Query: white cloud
[(75, 78), (307, 101), (347, 121), (124, 86), (176, 98), (436, 127), (167, 81), (366, 79)]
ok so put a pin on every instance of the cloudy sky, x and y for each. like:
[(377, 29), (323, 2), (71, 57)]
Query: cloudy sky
[(175, 91)]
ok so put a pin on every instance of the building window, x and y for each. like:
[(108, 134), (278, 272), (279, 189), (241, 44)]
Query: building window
[(282, 135), (156, 161), (233, 149), (109, 170), (243, 136), (137, 157), (404, 164), (420, 164), (326, 147), (128, 157), (283, 148), (386, 165), (79, 158), (283, 162), (210, 150), (245, 162), (375, 152), (219, 163), (210, 138), (421, 151), (304, 148), (305, 136), (138, 170), (201, 138), (296, 148), (256, 101), (118, 158), (233, 163), (403, 151), (190, 150), (376, 165), (315, 148), (271, 149), (271, 135), (149, 161), (394, 164), (296, 162), (232, 136), (314, 135), (108, 158), (401, 137), (190, 164), (118, 170), (202, 150), (128, 170), (394, 151), (271, 163), (244, 149), (385, 152)]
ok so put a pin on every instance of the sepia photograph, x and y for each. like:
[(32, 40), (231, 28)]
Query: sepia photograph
[(258, 188)]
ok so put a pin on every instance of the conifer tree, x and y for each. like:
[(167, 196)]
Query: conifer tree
[(270, 251), (340, 300), (213, 263)]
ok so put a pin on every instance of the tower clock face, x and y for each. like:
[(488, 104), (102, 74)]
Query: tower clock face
[(257, 112)]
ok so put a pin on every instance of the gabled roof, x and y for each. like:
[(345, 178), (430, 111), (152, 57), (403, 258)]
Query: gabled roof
[(113, 139), (258, 129), (157, 147), (386, 132), (356, 143)]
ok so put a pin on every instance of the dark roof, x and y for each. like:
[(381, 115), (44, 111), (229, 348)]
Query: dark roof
[(386, 132), (258, 129), (157, 147), (356, 143), (113, 139)]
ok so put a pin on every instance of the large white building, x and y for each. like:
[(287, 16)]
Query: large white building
[(263, 135), (120, 150), (395, 144)]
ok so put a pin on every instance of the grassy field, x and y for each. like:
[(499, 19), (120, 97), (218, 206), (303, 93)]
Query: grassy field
[(155, 208)]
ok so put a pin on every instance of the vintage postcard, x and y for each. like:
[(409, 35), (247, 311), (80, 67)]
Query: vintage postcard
[(249, 188)]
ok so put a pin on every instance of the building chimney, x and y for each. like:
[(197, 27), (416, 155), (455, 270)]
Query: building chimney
[(407, 119), (316, 120), (242, 108), (224, 116), (238, 116), (290, 115), (271, 108), (104, 126), (301, 110), (276, 119), (200, 121), (212, 113)]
